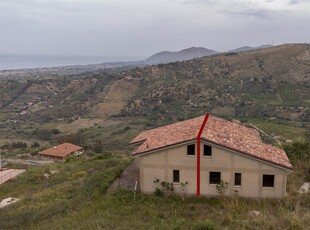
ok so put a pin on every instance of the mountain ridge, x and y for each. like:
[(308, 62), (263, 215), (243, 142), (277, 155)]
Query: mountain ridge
[(164, 57), (182, 55), (248, 48)]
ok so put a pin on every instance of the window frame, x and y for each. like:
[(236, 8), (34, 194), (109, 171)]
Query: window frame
[(211, 178), (189, 149), (176, 175), (204, 150), (267, 184), (238, 180)]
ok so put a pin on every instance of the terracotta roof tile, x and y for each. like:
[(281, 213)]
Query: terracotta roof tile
[(61, 150), (222, 132)]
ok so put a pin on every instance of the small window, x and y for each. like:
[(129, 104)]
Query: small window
[(268, 180), (207, 150), (237, 179), (176, 176), (191, 150), (214, 177)]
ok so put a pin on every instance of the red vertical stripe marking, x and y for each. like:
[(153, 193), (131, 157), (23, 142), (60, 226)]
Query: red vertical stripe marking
[(198, 152)]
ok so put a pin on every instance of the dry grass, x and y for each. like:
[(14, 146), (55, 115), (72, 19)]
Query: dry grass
[(116, 99), (83, 123), (75, 199)]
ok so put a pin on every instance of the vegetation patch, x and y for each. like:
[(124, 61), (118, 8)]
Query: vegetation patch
[(75, 198), (280, 130)]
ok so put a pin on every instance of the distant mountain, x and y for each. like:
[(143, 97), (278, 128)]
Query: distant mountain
[(183, 55), (247, 48)]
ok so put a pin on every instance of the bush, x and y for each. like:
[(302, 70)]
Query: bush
[(158, 192), (42, 134), (104, 156), (35, 145), (222, 187), (55, 131), (70, 159), (79, 174), (297, 151), (205, 225)]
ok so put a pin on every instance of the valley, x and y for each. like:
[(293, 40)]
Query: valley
[(270, 85)]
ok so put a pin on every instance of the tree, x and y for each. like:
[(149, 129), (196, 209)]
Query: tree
[(297, 151), (35, 145), (55, 131), (98, 146)]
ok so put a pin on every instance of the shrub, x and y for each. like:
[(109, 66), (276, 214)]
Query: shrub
[(74, 159), (222, 187), (167, 186), (35, 145), (55, 131), (79, 174), (105, 155), (158, 192), (205, 225), (297, 151), (42, 134)]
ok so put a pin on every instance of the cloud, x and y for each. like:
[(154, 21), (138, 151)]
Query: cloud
[(257, 13), (50, 5), (140, 28), (235, 7), (294, 2), (252, 8), (200, 2), (298, 2)]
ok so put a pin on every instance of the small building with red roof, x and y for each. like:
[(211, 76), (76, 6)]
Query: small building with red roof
[(60, 152), (229, 152)]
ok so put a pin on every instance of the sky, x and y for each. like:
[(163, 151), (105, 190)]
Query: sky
[(136, 29)]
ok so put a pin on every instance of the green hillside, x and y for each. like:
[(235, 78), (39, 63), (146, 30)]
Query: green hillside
[(270, 84), (73, 195), (102, 111)]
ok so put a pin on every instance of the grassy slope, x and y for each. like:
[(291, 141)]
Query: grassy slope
[(281, 130), (265, 83), (261, 83), (75, 198), (78, 184)]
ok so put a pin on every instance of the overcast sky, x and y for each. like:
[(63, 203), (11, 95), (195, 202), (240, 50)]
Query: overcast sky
[(140, 28)]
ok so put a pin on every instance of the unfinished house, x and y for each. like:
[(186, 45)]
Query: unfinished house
[(207, 150)]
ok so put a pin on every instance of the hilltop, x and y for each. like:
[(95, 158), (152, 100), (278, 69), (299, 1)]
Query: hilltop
[(165, 57), (272, 82), (182, 55), (247, 48)]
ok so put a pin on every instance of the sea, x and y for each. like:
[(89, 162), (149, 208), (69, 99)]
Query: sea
[(11, 62)]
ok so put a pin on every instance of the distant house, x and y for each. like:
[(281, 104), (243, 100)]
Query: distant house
[(207, 150), (60, 152)]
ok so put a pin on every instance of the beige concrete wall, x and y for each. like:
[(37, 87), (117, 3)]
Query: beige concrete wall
[(161, 164)]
